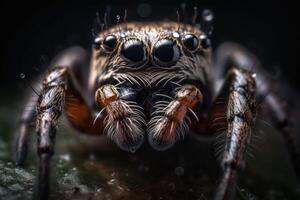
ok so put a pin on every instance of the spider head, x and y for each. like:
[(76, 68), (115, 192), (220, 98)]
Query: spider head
[(149, 49), (146, 61)]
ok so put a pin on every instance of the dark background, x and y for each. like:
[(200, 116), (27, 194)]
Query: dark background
[(33, 32)]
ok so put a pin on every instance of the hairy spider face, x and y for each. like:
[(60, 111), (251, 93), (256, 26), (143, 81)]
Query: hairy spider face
[(149, 48), (147, 64)]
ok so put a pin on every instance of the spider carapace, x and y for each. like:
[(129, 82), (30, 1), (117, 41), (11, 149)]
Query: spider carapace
[(155, 83)]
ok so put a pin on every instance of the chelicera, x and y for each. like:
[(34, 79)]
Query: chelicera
[(154, 83)]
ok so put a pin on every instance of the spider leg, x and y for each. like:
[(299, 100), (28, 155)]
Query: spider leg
[(49, 109), (230, 54), (58, 95), (284, 124), (60, 92), (73, 58), (22, 133), (125, 120), (171, 117), (241, 112)]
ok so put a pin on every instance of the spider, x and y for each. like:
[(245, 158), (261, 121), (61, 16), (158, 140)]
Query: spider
[(155, 83)]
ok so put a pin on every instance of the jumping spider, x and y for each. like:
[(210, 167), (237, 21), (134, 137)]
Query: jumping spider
[(154, 82)]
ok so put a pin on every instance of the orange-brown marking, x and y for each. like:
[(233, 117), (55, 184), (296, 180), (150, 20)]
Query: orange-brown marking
[(106, 94), (79, 115), (187, 97)]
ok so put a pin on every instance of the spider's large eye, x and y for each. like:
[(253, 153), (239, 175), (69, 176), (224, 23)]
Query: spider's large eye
[(166, 52), (133, 50), (110, 43), (191, 42)]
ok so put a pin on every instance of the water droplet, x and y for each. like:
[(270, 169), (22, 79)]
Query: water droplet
[(22, 75), (118, 17), (179, 171), (207, 15)]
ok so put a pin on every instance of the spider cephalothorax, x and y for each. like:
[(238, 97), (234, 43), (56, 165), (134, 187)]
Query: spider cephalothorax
[(144, 65), (154, 82)]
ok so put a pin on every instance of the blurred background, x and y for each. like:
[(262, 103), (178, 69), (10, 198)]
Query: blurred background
[(32, 33)]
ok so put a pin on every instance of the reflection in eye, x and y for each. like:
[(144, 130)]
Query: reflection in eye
[(133, 50), (166, 52)]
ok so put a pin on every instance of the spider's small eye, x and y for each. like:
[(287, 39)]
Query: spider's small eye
[(134, 50), (166, 52), (190, 42), (97, 43), (110, 42), (205, 41)]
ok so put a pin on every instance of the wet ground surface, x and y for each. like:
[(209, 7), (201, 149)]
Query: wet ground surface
[(93, 168)]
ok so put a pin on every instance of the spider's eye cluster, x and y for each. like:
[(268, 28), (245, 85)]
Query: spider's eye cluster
[(109, 43), (134, 51), (191, 42), (166, 52)]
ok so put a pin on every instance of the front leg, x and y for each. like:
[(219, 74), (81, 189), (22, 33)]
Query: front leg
[(171, 117), (241, 113), (230, 54), (23, 131), (125, 120), (49, 109)]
